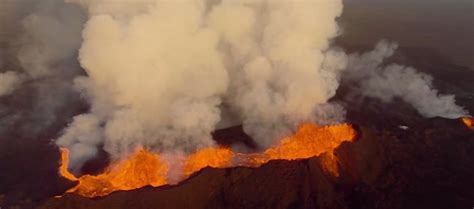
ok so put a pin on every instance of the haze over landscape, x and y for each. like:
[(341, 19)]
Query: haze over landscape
[(443, 25), (138, 104)]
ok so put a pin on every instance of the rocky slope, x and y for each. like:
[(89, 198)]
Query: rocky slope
[(430, 166)]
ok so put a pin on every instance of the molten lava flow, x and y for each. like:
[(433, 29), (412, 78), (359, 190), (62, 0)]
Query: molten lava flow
[(208, 157), (309, 141), (141, 169), (145, 168), (63, 169), (469, 122)]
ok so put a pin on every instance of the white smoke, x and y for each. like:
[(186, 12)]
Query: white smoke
[(279, 76), (82, 138), (9, 81), (396, 81), (47, 40), (159, 73), (48, 47), (41, 35), (163, 74), (40, 41)]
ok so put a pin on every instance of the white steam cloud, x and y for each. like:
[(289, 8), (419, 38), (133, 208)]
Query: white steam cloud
[(9, 81), (164, 74), (50, 36), (158, 73), (40, 40), (397, 81)]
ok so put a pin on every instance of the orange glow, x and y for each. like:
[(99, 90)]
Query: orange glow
[(469, 122), (145, 168), (329, 163), (310, 141), (63, 170), (141, 169), (208, 157)]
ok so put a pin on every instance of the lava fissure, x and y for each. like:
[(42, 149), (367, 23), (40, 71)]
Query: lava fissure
[(144, 168)]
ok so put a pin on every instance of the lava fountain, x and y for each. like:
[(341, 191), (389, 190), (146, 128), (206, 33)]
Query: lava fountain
[(144, 168), (141, 169)]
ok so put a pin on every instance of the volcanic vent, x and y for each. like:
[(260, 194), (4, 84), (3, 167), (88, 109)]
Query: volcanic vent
[(135, 93), (143, 168)]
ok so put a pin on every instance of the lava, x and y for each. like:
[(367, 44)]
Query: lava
[(145, 168), (469, 122), (310, 141), (208, 157), (142, 168), (63, 169)]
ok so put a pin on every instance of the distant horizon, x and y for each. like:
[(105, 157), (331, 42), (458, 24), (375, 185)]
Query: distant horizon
[(446, 26)]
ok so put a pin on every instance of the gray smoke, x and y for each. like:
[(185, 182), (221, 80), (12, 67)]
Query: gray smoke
[(159, 72), (164, 74), (387, 82), (9, 81), (41, 44)]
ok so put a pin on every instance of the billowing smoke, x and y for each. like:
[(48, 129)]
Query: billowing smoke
[(279, 77), (51, 35), (8, 82), (387, 82), (164, 74), (43, 38), (158, 74)]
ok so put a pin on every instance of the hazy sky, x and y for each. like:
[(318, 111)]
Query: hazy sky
[(445, 25)]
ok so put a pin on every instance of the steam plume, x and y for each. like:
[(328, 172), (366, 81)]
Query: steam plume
[(158, 74), (164, 74), (8, 82), (42, 42), (397, 81)]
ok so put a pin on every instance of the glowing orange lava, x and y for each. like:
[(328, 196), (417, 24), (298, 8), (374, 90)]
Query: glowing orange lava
[(309, 141), (145, 168), (141, 169), (208, 157), (469, 122), (63, 171)]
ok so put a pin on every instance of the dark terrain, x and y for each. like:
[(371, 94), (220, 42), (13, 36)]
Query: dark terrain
[(429, 165)]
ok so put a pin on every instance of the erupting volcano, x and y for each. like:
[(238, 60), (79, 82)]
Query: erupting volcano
[(242, 104), (145, 168), (142, 168)]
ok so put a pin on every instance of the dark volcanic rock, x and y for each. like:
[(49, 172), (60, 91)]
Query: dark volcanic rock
[(430, 166)]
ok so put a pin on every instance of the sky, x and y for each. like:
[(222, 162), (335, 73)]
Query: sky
[(444, 25)]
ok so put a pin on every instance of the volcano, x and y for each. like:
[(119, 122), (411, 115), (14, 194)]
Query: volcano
[(145, 168), (236, 104), (372, 173)]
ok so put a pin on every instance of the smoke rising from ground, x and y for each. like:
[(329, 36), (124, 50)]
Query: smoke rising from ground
[(387, 82), (42, 39), (164, 74), (157, 77)]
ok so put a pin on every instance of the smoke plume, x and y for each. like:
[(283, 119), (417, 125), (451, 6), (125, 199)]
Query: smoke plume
[(159, 73), (387, 82), (164, 74), (8, 82), (41, 49)]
